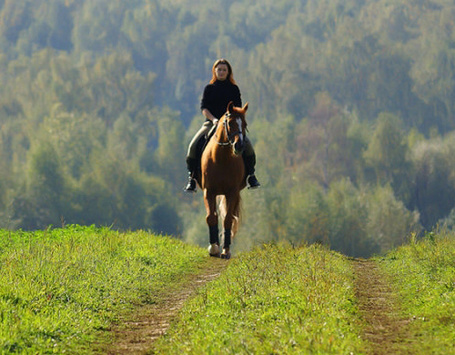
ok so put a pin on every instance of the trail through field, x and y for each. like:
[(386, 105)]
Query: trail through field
[(136, 334), (386, 330)]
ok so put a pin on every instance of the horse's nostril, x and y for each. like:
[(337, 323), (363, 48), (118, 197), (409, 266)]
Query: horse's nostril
[(238, 147)]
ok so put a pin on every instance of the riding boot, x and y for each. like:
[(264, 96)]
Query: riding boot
[(191, 164), (250, 162)]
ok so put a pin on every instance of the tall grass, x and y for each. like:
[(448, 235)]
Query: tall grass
[(423, 272), (275, 299), (59, 286)]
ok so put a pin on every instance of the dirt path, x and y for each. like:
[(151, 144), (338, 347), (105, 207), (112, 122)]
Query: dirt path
[(386, 331), (136, 334)]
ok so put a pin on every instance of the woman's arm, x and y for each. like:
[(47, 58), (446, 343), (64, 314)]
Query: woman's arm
[(205, 103), (207, 114)]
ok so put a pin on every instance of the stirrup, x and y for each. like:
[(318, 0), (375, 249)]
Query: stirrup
[(191, 186), (253, 182)]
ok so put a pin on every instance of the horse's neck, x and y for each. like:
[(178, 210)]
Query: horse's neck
[(220, 134), (222, 149)]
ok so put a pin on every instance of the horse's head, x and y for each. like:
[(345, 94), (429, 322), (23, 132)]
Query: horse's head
[(234, 127)]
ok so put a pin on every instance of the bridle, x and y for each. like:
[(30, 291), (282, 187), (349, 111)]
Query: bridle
[(230, 136)]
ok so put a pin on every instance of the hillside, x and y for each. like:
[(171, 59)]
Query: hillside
[(60, 287), (351, 115), (287, 300), (93, 290)]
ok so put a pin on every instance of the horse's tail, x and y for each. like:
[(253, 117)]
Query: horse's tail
[(222, 207), (237, 217)]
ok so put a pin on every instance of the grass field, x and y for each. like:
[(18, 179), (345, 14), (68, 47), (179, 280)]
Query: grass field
[(423, 274), (61, 289), (273, 300), (60, 286)]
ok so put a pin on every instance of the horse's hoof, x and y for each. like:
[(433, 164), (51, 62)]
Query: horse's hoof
[(214, 250), (226, 255)]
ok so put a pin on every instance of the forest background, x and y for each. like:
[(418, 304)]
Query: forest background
[(352, 107)]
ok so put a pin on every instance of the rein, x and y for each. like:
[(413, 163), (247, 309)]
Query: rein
[(229, 137)]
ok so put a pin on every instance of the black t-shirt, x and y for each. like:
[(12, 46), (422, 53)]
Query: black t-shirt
[(216, 97)]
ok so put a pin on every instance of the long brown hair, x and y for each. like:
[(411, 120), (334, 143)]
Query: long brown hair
[(230, 75)]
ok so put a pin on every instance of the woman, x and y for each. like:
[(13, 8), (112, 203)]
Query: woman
[(217, 94)]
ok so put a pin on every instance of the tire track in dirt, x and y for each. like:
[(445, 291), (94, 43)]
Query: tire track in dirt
[(137, 333), (386, 331)]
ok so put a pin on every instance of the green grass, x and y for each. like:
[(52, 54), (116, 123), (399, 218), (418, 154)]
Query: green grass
[(423, 273), (275, 299), (60, 286)]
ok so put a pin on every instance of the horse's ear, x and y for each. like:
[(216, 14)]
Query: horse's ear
[(245, 108), (230, 106)]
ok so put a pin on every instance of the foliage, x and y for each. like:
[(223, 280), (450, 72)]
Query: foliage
[(59, 286), (386, 151), (274, 299), (97, 95), (434, 187), (355, 221), (389, 222)]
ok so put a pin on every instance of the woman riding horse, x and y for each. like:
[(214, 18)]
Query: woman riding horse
[(223, 174), (221, 90)]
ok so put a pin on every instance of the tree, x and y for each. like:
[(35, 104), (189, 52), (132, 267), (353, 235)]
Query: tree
[(171, 151), (322, 115), (434, 187), (386, 152), (308, 218), (97, 24), (51, 24), (433, 69), (347, 220), (75, 137), (15, 17), (42, 200), (389, 222)]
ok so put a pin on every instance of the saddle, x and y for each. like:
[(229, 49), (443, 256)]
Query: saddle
[(200, 146), (202, 143)]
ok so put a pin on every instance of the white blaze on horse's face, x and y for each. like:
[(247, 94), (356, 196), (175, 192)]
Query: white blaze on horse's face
[(233, 130), (239, 145), (239, 124)]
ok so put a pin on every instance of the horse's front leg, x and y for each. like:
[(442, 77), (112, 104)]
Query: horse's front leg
[(212, 221), (231, 202)]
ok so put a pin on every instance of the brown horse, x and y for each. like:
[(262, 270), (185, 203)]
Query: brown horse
[(223, 174)]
